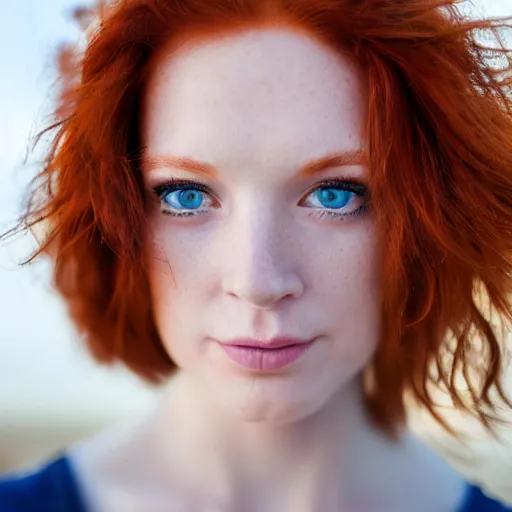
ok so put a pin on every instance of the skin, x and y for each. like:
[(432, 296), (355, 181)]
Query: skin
[(262, 262)]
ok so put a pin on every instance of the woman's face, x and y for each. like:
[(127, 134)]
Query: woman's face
[(249, 238)]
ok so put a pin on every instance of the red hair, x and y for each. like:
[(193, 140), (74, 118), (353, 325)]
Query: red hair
[(440, 158)]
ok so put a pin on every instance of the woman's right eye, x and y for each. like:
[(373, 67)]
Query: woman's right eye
[(184, 198)]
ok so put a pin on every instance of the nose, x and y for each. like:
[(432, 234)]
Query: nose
[(258, 267)]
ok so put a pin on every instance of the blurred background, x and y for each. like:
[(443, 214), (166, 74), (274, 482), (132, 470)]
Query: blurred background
[(51, 393)]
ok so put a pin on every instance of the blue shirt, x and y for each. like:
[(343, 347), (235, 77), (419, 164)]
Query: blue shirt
[(54, 489)]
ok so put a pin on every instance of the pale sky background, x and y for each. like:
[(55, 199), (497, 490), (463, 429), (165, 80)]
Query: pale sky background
[(43, 368)]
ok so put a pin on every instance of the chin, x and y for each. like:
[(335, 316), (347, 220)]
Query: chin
[(272, 399)]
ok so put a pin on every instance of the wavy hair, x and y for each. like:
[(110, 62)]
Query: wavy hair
[(440, 156)]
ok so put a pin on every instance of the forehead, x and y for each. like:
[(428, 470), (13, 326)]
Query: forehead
[(265, 91)]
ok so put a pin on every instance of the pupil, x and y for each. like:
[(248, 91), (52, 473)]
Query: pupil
[(330, 195)]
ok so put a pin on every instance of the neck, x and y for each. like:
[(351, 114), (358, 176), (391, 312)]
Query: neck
[(332, 460)]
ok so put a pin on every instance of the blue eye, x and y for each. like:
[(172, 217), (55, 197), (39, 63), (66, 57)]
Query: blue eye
[(337, 198), (183, 198), (333, 198), (186, 199)]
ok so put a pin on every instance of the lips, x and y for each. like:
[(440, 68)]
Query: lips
[(265, 355), (273, 343)]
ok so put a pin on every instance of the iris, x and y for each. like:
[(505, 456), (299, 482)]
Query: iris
[(332, 197), (187, 199)]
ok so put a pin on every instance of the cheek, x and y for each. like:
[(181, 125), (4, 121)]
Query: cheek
[(174, 261), (349, 289), (347, 266), (178, 274)]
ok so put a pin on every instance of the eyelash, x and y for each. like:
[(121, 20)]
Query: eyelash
[(357, 188)]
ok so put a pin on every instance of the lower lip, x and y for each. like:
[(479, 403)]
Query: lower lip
[(264, 359)]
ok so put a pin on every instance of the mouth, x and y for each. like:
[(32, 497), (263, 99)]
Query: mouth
[(266, 355)]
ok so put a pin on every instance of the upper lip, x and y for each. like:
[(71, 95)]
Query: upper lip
[(277, 342)]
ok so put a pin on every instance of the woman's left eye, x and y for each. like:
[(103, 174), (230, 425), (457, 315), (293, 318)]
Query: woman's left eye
[(338, 199)]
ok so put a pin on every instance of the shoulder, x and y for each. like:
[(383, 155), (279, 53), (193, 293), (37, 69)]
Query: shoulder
[(477, 501), (52, 487)]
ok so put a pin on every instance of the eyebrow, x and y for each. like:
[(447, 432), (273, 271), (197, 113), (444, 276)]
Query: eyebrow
[(312, 167)]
